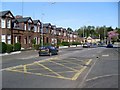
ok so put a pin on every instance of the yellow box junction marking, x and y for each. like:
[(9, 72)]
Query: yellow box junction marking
[(57, 74)]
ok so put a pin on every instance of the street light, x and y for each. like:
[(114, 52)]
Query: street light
[(42, 29), (42, 26)]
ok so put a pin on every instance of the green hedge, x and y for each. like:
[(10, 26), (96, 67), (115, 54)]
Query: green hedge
[(9, 48), (76, 43), (3, 47), (17, 47), (65, 43)]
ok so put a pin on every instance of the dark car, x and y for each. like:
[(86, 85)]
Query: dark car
[(109, 46), (86, 45), (48, 50)]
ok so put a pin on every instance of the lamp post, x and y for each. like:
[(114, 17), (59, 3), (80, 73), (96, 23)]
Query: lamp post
[(42, 26), (42, 29)]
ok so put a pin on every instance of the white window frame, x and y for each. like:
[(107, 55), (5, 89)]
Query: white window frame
[(25, 26), (29, 39), (29, 26), (38, 29), (9, 39), (25, 40), (3, 38), (16, 39), (3, 23), (8, 23), (35, 28)]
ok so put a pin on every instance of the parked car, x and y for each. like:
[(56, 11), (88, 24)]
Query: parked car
[(94, 45), (109, 46), (48, 50), (86, 45)]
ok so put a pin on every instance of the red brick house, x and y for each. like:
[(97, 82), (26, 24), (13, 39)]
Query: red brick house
[(5, 26), (23, 31), (37, 31), (46, 33)]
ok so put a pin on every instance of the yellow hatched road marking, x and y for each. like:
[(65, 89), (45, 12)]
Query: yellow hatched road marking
[(40, 74), (81, 70), (87, 63), (49, 69), (64, 66), (25, 68), (78, 72), (72, 62)]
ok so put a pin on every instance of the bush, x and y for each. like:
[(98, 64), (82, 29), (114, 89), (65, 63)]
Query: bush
[(36, 47), (65, 43), (17, 47), (9, 48), (3, 47), (76, 43)]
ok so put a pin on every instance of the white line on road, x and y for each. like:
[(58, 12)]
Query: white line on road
[(81, 85), (101, 77), (105, 55)]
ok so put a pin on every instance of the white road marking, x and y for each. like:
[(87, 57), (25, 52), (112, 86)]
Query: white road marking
[(105, 55), (101, 77)]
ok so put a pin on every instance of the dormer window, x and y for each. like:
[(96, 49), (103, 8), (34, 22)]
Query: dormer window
[(8, 23)]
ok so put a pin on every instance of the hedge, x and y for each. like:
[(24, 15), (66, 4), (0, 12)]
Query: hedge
[(3, 47), (17, 47), (9, 48), (76, 43), (65, 43)]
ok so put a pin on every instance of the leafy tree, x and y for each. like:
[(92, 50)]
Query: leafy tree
[(69, 29)]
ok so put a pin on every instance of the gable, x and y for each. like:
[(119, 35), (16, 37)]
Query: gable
[(29, 21), (9, 15), (38, 23)]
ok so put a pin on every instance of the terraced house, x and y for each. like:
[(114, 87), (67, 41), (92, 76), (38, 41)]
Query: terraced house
[(21, 29)]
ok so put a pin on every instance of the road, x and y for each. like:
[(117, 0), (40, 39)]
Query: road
[(72, 68)]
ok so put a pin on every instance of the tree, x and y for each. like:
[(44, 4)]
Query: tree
[(69, 29)]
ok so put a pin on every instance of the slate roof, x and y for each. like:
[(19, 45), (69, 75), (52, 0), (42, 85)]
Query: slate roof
[(59, 28), (25, 19), (46, 24), (3, 13), (36, 21)]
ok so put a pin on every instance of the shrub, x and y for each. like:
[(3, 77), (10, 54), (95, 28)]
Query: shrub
[(17, 47), (9, 48), (3, 47), (76, 43), (36, 47), (65, 43)]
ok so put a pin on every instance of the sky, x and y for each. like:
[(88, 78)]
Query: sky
[(67, 14)]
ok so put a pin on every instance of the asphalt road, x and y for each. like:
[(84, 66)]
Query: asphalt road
[(72, 68)]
